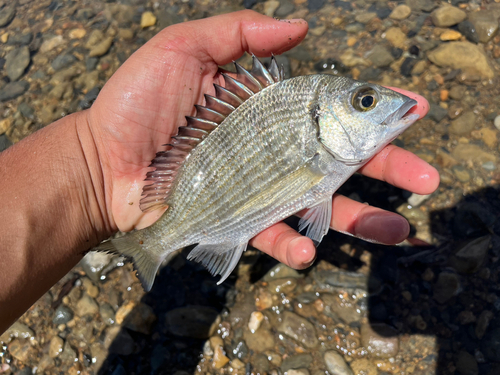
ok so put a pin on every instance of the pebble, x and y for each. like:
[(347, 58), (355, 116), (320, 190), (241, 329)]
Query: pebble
[(93, 263), (13, 89), (16, 62), (485, 23), (365, 17), (315, 5), (380, 56), (336, 364), (466, 364), (364, 366), (86, 306), (464, 124), (7, 15), (457, 92), (447, 16), (461, 173), (447, 286), (192, 321), (125, 34), (107, 314), (51, 43), (255, 321), (473, 153), (148, 19), (395, 37), (22, 39), (20, 349), (299, 329), (220, 359), (285, 8), (261, 340), (117, 340), (62, 315), (63, 61), (77, 33), (101, 48), (340, 309), (5, 125), (469, 31), (462, 55), (449, 35), (270, 7), (380, 340), (401, 12), (422, 5), (281, 271), (297, 361), (17, 330), (470, 256), (55, 346)]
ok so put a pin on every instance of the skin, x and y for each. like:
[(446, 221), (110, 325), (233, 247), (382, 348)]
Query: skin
[(75, 182)]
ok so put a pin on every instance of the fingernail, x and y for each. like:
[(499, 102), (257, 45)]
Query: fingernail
[(383, 227)]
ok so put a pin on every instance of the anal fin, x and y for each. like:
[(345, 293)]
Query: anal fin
[(317, 220), (218, 259)]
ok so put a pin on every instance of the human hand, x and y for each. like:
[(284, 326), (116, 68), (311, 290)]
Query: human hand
[(146, 100)]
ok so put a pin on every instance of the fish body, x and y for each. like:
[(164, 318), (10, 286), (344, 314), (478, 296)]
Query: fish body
[(261, 150)]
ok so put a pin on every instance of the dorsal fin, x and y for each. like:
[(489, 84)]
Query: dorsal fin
[(167, 163)]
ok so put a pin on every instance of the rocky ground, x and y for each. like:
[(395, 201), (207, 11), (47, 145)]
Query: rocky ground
[(430, 308)]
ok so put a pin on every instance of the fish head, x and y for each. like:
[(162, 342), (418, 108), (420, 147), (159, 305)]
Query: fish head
[(356, 119)]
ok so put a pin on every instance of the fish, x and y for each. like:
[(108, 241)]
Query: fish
[(259, 150)]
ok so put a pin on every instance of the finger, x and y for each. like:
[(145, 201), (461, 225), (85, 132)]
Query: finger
[(403, 169), (226, 37), (286, 245), (367, 222), (422, 106)]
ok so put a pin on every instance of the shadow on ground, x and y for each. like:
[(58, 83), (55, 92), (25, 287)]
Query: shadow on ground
[(448, 291)]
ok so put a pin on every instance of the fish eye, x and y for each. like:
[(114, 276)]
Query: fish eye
[(365, 99)]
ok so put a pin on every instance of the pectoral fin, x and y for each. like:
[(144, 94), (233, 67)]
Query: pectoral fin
[(317, 220)]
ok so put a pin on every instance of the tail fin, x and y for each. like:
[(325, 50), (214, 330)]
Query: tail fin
[(132, 246)]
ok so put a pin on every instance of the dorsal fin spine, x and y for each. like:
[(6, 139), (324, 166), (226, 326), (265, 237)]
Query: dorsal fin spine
[(167, 163)]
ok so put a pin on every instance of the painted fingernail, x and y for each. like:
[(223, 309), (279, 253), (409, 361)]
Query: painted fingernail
[(383, 227)]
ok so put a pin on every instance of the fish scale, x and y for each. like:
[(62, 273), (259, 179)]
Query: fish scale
[(259, 151)]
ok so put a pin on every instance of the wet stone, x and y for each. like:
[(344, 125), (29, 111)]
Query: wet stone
[(94, 263), (62, 315), (338, 309), (380, 56), (341, 279), (380, 340), (16, 62), (191, 321), (422, 5), (464, 124), (470, 257), (50, 43), (4, 142), (119, 341), (285, 8), (336, 364), (364, 366), (330, 66), (299, 329), (20, 349), (468, 30), (63, 61), (261, 340), (297, 361), (7, 15), (20, 39), (461, 173), (55, 346), (237, 349), (446, 287), (466, 364), (407, 66), (437, 113), (281, 271), (401, 12), (315, 5), (457, 92), (107, 314), (354, 28), (485, 23), (17, 330), (446, 16), (86, 306), (101, 48)]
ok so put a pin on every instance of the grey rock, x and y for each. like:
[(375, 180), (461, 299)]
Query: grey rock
[(167, 18), (486, 24), (62, 315), (4, 142), (457, 92), (261, 363), (91, 63), (339, 310), (380, 56), (190, 321), (469, 31), (315, 5), (466, 363), (13, 89), (341, 279), (84, 14), (345, 5), (446, 16), (7, 15), (354, 28), (489, 166), (307, 297), (299, 329), (140, 319), (407, 66), (380, 340), (26, 110), (446, 287), (336, 364), (95, 264), (462, 55), (107, 313), (297, 361), (470, 257), (17, 330), (281, 271), (89, 98), (16, 62), (421, 5), (285, 8), (237, 349), (63, 61), (472, 152), (464, 124), (20, 39), (437, 113)]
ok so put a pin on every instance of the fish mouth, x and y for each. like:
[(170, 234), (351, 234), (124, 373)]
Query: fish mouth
[(401, 115)]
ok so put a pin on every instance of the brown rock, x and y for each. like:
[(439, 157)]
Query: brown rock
[(447, 15)]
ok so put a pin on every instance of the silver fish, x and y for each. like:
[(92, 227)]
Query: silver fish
[(260, 150)]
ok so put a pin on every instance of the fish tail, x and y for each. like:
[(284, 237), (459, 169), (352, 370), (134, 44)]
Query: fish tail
[(135, 247)]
